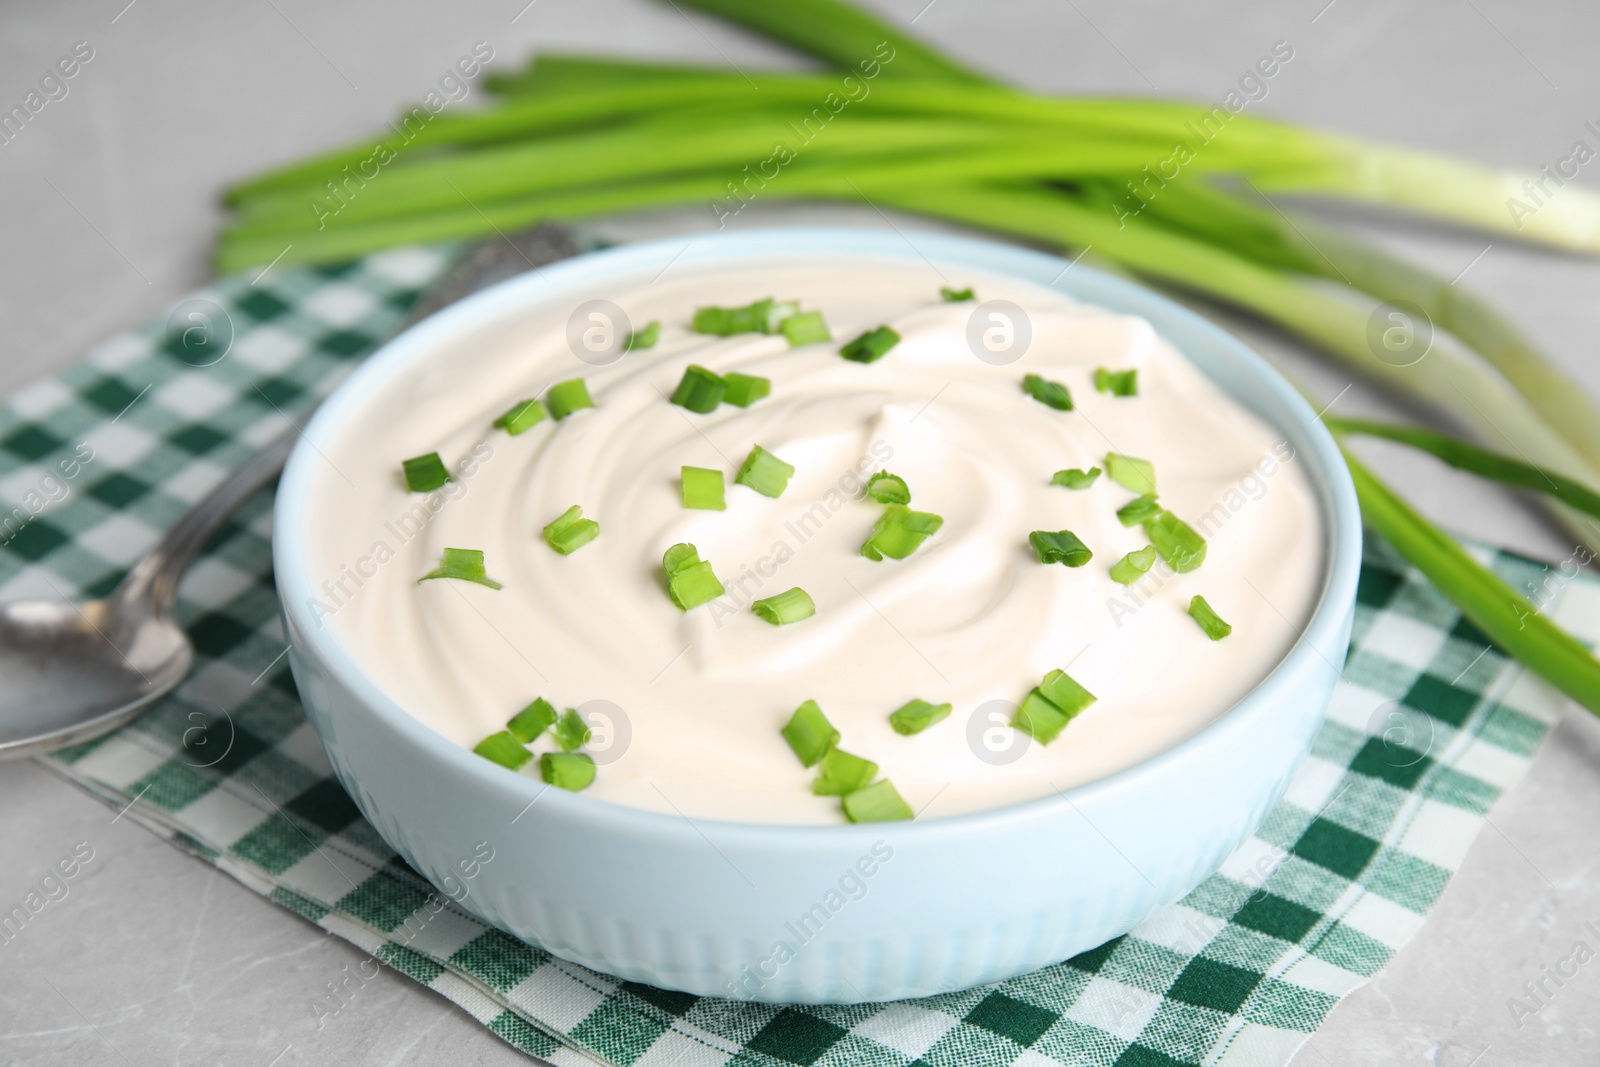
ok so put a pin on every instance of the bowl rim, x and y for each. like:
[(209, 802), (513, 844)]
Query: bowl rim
[(1325, 629)]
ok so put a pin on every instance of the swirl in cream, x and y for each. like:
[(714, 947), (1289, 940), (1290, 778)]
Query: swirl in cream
[(972, 617)]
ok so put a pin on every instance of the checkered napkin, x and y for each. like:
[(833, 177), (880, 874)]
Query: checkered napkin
[(1427, 728)]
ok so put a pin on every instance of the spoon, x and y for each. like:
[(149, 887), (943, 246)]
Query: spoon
[(71, 671)]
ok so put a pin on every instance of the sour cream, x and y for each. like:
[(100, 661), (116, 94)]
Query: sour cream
[(687, 707)]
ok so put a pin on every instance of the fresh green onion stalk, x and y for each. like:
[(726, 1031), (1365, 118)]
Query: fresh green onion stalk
[(577, 136)]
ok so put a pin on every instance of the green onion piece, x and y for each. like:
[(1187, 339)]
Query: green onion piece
[(878, 802), (564, 398), (899, 531), (504, 749), (572, 771), (690, 581), (1061, 546), (678, 557), (1075, 478), (424, 474), (772, 313), (645, 338), (1177, 541), (871, 345), (571, 731), (745, 389), (752, 318), (703, 489), (1133, 474), (808, 327), (888, 488), (1061, 690), (532, 720), (916, 716), (1040, 719), (1134, 565), (1208, 619), (1116, 382), (764, 472), (1050, 394), (1138, 510), (523, 416), (763, 316), (699, 390), (955, 296), (463, 564), (720, 322), (810, 734), (1047, 708), (571, 531), (843, 773), (792, 605)]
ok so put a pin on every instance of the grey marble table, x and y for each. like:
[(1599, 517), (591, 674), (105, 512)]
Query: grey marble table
[(108, 209)]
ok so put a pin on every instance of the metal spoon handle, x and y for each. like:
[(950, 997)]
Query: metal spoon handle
[(156, 576)]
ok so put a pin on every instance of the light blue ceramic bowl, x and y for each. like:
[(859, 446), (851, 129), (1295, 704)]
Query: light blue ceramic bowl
[(835, 913)]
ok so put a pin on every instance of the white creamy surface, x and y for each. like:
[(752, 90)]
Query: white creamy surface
[(970, 618)]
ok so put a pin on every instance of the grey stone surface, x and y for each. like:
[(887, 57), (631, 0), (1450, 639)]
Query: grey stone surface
[(108, 202)]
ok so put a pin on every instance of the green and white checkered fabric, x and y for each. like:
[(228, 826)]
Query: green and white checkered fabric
[(1424, 734)]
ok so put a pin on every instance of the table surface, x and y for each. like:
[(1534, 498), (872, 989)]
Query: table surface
[(109, 207)]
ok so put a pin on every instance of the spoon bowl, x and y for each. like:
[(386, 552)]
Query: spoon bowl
[(75, 671)]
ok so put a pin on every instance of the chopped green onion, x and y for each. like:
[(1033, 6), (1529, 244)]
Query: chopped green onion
[(843, 773), (645, 338), (571, 731), (745, 389), (871, 345), (563, 398), (1050, 394), (1040, 719), (1177, 541), (792, 605), (878, 802), (1138, 510), (523, 416), (810, 734), (572, 771), (1134, 565), (699, 390), (424, 474), (888, 488), (1076, 478), (899, 531), (764, 472), (1061, 546), (1116, 382), (571, 531), (1208, 619), (808, 327), (463, 564), (763, 316), (690, 581), (1060, 689), (504, 749), (1047, 708), (677, 557), (703, 489), (916, 716), (532, 720), (955, 296), (773, 313), (1133, 474)]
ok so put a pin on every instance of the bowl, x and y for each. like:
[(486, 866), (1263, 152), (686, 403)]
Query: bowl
[(823, 914)]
